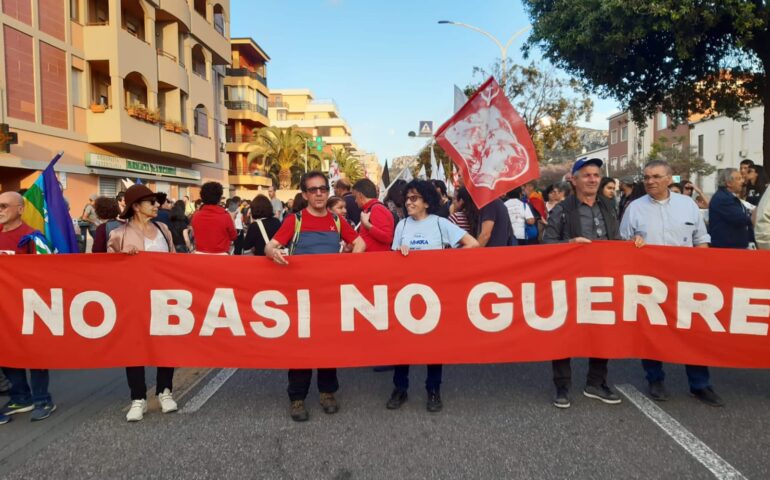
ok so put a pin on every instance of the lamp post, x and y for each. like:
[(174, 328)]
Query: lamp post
[(503, 48)]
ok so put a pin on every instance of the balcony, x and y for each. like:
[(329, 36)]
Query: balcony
[(171, 72), (245, 72), (278, 104), (179, 9), (242, 105)]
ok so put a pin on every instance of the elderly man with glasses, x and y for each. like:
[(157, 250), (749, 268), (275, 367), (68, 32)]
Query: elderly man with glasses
[(665, 218), (582, 218), (314, 230)]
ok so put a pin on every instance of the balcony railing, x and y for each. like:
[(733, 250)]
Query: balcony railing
[(243, 105), (278, 104), (231, 137), (245, 72)]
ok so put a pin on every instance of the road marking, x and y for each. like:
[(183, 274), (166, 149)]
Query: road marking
[(208, 391), (694, 446)]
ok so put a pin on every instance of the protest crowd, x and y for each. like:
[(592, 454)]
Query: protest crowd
[(409, 216)]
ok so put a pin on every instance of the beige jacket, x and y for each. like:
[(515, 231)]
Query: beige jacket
[(126, 236), (762, 228)]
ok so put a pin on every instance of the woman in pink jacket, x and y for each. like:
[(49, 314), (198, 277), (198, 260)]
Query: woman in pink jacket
[(141, 234)]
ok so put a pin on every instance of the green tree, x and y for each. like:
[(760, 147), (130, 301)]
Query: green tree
[(551, 106), (678, 56), (348, 164), (683, 160), (282, 153)]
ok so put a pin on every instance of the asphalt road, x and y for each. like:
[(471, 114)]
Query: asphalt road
[(497, 422)]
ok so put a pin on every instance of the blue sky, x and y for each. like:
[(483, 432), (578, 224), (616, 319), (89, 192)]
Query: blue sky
[(386, 63)]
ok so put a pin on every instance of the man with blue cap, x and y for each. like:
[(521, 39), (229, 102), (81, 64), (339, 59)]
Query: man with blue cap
[(583, 217)]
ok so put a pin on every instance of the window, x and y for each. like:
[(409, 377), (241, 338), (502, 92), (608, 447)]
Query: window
[(624, 160), (662, 121), (108, 186), (281, 114), (75, 10), (700, 146), (198, 61), (624, 134), (614, 136), (201, 121), (76, 87), (324, 131), (219, 19)]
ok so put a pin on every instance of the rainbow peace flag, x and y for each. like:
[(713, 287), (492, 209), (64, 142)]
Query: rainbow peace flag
[(46, 210)]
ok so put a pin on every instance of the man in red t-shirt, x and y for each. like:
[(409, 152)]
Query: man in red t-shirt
[(213, 227), (38, 400), (377, 223), (319, 232)]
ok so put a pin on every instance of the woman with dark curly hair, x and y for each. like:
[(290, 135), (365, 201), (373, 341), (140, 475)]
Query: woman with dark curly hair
[(107, 209), (424, 230), (263, 226)]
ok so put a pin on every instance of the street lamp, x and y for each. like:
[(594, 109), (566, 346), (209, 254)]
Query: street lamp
[(503, 48)]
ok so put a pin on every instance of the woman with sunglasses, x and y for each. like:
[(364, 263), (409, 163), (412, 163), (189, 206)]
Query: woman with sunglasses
[(141, 233), (422, 229), (700, 198)]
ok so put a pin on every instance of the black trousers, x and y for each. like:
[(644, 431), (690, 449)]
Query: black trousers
[(135, 375), (562, 372), (299, 382)]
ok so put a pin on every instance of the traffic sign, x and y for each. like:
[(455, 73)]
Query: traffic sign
[(426, 128)]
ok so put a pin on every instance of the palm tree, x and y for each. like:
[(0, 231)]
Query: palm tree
[(280, 149), (348, 164)]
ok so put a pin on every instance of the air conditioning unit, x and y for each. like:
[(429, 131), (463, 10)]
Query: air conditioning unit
[(720, 156), (744, 153)]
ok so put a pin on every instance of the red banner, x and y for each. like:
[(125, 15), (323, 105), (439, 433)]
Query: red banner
[(608, 299)]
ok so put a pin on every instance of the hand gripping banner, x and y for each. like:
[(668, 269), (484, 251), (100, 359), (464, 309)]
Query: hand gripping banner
[(606, 299)]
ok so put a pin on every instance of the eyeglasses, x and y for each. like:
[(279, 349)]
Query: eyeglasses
[(656, 178), (688, 188), (413, 198), (314, 190)]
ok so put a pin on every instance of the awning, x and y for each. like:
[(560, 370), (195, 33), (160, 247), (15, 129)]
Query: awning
[(104, 172)]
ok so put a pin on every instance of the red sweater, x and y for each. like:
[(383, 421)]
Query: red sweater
[(380, 237), (213, 229)]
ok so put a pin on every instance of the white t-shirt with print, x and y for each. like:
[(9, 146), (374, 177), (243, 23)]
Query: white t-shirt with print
[(519, 213), (430, 233)]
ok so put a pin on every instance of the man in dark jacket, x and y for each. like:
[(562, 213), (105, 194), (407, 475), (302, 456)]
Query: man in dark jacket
[(582, 218), (729, 221)]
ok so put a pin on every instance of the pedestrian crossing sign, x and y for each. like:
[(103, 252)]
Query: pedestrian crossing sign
[(426, 128)]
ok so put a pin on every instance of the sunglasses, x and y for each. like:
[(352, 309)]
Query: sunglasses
[(413, 198), (151, 201), (314, 190)]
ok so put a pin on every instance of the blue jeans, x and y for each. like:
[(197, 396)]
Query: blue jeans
[(697, 376), (20, 392), (432, 381)]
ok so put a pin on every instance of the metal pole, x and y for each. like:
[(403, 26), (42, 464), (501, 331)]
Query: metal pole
[(305, 156)]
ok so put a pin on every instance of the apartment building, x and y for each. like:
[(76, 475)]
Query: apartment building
[(125, 88), (725, 143), (631, 143), (318, 117), (246, 99)]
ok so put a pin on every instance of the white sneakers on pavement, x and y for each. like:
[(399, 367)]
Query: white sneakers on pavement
[(167, 403), (137, 410)]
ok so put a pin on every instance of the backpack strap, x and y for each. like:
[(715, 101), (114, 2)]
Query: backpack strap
[(297, 227)]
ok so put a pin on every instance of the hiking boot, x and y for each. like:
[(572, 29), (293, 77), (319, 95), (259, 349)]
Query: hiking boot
[(167, 403), (42, 411), (12, 408), (561, 400), (708, 396), (434, 402), (602, 393), (298, 412), (658, 391), (137, 410), (329, 403), (397, 398)]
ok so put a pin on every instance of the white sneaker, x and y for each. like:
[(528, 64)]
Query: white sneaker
[(167, 403), (136, 412)]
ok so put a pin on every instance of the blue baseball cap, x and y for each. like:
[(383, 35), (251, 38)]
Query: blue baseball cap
[(580, 163)]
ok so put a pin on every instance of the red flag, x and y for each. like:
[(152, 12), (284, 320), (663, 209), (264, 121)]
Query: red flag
[(490, 144)]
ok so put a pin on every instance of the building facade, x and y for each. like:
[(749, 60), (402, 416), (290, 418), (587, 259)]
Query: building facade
[(246, 99), (317, 117), (631, 144), (125, 88), (724, 143)]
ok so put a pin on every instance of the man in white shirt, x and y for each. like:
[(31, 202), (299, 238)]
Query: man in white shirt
[(665, 218)]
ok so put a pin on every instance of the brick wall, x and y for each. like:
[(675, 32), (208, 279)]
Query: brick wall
[(19, 74), (53, 85), (51, 13), (21, 10)]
